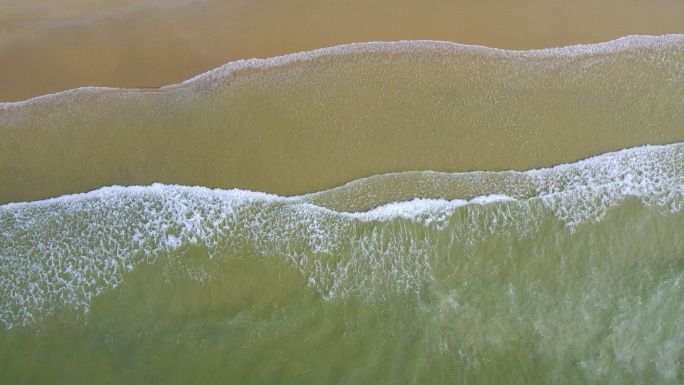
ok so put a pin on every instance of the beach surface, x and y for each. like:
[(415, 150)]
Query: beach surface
[(50, 46), (312, 121), (262, 192)]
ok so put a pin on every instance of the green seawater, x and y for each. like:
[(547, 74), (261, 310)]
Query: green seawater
[(568, 273), (312, 121), (573, 274)]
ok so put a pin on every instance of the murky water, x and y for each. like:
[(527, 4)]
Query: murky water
[(434, 264), (48, 46)]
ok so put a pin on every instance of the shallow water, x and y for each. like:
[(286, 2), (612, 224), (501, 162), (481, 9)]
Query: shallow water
[(573, 278), (348, 262), (49, 46), (313, 121)]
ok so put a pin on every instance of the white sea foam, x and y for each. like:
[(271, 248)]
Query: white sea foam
[(219, 75), (62, 252), (628, 43)]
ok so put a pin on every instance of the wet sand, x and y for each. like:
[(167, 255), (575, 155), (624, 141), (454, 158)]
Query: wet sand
[(50, 46), (316, 124), (564, 275)]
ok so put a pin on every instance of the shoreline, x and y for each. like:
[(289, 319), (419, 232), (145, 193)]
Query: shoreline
[(291, 127), (612, 46), (47, 48)]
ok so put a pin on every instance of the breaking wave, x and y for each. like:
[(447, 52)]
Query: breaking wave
[(61, 253)]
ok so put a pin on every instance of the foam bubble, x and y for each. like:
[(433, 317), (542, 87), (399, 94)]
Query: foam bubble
[(627, 43), (217, 76), (62, 252)]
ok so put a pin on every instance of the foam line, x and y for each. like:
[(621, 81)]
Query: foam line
[(218, 75), (61, 252)]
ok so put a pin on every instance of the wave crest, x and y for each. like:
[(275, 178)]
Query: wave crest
[(63, 252)]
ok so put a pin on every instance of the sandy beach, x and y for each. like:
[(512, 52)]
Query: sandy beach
[(308, 122), (391, 192), (50, 46)]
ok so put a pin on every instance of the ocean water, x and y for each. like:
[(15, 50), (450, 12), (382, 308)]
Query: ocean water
[(313, 121), (388, 243)]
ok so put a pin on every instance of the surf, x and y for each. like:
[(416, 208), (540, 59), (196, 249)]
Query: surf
[(277, 214), (65, 251), (308, 122)]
